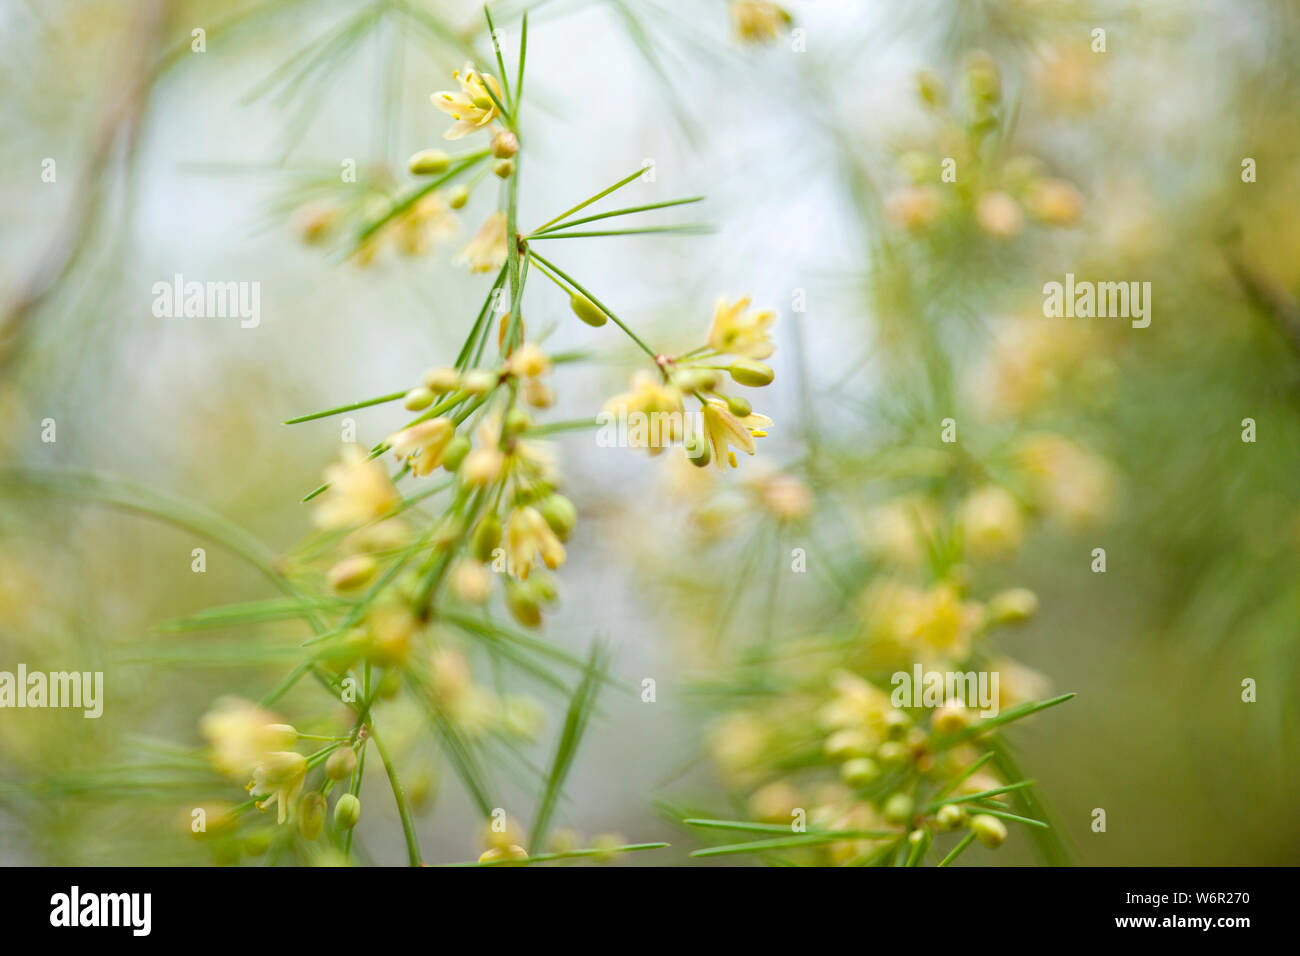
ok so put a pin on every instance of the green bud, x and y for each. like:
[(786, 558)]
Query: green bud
[(347, 812), (429, 161), (311, 815), (897, 809), (930, 86), (950, 816), (559, 513), (844, 744), (523, 604), (740, 407), (503, 168), (892, 752), (486, 538), (417, 399), (587, 310), (696, 379), (257, 841), (341, 763), (749, 372), (860, 772), (697, 450), (1013, 606), (456, 451), (517, 421), (543, 586), (457, 198), (988, 830)]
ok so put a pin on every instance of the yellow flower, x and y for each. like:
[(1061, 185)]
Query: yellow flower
[(487, 251), (1056, 202), (528, 536), (279, 777), (423, 445), (758, 21), (738, 331), (991, 522), (1070, 483), (472, 107), (723, 430), (241, 734), (938, 623), (428, 221), (359, 492)]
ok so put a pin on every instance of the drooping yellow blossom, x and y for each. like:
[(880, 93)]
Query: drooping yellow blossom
[(723, 431), (471, 107), (241, 734), (759, 21), (359, 492), (487, 251), (279, 777), (423, 444), (739, 331), (529, 537)]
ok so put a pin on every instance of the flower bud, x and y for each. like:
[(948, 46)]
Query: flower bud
[(512, 852), (441, 379), (892, 752), (503, 168), (844, 744), (456, 451), (1012, 606), (417, 399), (860, 772), (988, 830), (341, 763), (697, 450), (951, 717), (478, 381), (538, 394), (740, 407), (429, 161), (522, 603), (930, 85), (457, 198), (311, 815), (560, 514), (472, 582), (487, 536), (897, 809), (950, 816), (347, 812), (505, 144), (696, 379), (352, 572), (748, 372), (516, 421), (587, 310)]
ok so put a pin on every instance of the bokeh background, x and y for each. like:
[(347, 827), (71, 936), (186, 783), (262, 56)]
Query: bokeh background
[(818, 155)]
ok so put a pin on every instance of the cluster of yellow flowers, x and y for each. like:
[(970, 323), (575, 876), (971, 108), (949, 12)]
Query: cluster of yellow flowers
[(738, 338)]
